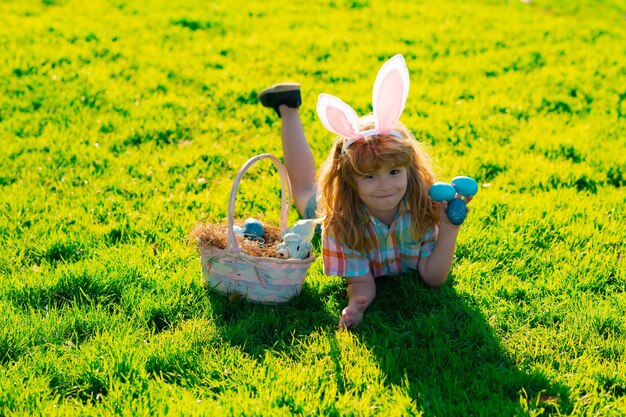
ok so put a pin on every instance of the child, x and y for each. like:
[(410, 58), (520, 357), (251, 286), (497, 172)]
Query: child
[(373, 198)]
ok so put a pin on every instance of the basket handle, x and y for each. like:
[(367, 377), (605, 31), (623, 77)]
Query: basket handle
[(285, 187)]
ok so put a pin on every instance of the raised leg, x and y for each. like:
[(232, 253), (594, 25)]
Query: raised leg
[(298, 157)]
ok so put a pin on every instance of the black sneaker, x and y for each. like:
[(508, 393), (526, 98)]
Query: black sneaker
[(282, 93)]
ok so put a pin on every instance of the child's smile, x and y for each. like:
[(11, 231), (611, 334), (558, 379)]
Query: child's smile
[(381, 191)]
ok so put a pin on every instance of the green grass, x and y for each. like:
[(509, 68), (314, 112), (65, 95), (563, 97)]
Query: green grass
[(123, 123)]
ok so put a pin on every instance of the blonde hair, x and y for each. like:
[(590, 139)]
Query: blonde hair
[(340, 207)]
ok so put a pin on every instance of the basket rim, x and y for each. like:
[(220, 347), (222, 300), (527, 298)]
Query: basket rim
[(204, 249)]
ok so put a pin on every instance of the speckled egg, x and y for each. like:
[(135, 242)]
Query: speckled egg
[(441, 191), (456, 211), (253, 229), (465, 186)]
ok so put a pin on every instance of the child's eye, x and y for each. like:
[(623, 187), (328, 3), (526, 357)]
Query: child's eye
[(369, 176), (395, 171)]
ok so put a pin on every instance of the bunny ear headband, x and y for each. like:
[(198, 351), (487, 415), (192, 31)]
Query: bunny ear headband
[(391, 89)]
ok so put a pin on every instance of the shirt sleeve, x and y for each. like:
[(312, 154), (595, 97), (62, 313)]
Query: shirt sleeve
[(342, 261), (429, 241)]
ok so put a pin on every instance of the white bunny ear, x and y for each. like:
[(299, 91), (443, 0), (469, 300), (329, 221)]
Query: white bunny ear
[(337, 116), (391, 90)]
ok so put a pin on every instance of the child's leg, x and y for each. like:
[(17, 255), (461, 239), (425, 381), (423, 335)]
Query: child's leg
[(298, 157), (285, 99), (361, 292)]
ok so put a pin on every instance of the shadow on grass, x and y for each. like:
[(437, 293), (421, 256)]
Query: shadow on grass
[(256, 328), (435, 342), (442, 346)]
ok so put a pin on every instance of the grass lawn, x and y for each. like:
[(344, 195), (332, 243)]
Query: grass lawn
[(124, 123)]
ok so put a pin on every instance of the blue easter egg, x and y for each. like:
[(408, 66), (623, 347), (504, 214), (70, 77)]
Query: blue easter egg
[(465, 186), (441, 191), (253, 228), (238, 230), (456, 211)]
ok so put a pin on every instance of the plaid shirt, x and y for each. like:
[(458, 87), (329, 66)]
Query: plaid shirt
[(395, 250)]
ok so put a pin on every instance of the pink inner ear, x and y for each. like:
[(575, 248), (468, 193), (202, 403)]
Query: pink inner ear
[(389, 103), (339, 121)]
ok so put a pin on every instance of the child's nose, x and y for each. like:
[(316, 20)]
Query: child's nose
[(384, 184)]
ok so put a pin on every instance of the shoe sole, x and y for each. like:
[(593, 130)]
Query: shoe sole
[(280, 88)]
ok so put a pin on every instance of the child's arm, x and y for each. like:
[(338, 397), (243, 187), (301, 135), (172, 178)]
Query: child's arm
[(361, 292), (435, 268)]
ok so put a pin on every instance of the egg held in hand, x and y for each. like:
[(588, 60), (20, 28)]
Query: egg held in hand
[(456, 211)]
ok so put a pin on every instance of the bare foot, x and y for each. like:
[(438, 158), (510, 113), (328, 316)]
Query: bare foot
[(352, 315)]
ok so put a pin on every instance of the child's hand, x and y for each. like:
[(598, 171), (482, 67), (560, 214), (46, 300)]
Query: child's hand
[(352, 315), (444, 221), (454, 198), (361, 291), (458, 218)]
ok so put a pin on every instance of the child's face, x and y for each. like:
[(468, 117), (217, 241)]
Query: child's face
[(381, 191)]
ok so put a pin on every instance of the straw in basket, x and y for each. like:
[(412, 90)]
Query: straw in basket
[(260, 279)]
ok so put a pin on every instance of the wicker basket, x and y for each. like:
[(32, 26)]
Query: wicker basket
[(260, 279)]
